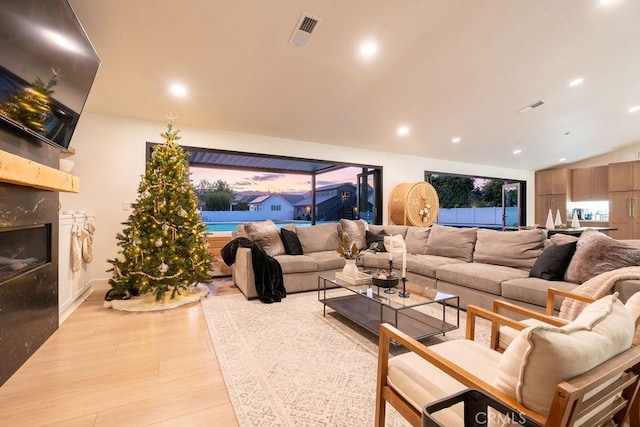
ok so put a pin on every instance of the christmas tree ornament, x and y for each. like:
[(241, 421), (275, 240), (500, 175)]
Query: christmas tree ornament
[(165, 227), (158, 242), (163, 268), (182, 212)]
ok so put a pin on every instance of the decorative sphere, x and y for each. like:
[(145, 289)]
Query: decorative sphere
[(182, 212), (163, 268), (158, 243)]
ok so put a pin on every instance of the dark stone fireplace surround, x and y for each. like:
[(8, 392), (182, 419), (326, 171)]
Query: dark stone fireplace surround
[(28, 297)]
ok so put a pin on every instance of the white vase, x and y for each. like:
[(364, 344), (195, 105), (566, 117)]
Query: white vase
[(350, 268)]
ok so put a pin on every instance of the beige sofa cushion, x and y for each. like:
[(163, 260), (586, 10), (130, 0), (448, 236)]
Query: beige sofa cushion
[(540, 357), (518, 249), (533, 290), (265, 234), (482, 277), (426, 265), (417, 239), (297, 263), (327, 260), (452, 242), (318, 238)]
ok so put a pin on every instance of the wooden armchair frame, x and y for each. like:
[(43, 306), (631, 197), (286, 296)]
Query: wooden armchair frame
[(568, 403), (501, 307)]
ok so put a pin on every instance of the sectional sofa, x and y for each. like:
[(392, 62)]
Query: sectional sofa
[(479, 265)]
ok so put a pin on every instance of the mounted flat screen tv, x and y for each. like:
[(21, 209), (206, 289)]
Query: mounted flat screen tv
[(47, 67)]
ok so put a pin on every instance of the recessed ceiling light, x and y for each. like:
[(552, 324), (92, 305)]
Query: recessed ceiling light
[(562, 159), (634, 109), (178, 89), (368, 49), (518, 151), (456, 140), (576, 82), (403, 130)]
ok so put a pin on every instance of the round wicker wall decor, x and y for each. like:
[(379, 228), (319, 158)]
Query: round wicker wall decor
[(414, 204)]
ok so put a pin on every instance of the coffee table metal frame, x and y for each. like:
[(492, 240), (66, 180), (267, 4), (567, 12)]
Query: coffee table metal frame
[(368, 306)]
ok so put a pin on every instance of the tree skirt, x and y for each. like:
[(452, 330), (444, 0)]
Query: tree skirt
[(147, 302), (286, 364)]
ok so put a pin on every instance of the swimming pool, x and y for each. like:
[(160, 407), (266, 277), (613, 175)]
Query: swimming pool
[(227, 227)]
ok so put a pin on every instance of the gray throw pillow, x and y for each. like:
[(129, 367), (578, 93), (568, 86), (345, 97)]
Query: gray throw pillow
[(517, 249), (452, 242), (417, 239)]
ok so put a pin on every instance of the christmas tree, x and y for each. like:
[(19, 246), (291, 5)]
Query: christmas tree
[(163, 244)]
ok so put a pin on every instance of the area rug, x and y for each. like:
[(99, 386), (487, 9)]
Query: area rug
[(285, 364)]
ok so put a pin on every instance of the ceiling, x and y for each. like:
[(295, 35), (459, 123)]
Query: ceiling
[(445, 68)]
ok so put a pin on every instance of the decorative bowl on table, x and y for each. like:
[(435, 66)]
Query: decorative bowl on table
[(384, 280)]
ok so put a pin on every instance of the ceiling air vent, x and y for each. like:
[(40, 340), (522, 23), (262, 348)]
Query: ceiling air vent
[(532, 106), (305, 27)]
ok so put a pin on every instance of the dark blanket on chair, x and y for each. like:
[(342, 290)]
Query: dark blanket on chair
[(267, 271)]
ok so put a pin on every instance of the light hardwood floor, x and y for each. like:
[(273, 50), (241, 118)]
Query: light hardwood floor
[(108, 367)]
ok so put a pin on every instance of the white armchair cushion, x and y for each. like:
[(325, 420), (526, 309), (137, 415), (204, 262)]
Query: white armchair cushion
[(419, 382), (541, 357)]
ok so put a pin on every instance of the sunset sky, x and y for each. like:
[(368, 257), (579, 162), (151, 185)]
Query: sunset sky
[(271, 182)]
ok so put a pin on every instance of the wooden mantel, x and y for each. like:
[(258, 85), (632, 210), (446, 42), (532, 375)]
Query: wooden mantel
[(20, 171)]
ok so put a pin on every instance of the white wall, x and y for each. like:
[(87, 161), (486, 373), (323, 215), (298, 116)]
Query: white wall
[(110, 160), (626, 154)]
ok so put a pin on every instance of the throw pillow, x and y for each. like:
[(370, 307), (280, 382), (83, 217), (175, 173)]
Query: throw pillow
[(598, 253), (517, 249), (318, 238), (540, 357), (291, 242), (553, 262), (375, 241), (417, 239), (355, 230), (452, 242), (399, 245), (265, 234)]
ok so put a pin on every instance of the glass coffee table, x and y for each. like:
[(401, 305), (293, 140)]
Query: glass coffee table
[(369, 306)]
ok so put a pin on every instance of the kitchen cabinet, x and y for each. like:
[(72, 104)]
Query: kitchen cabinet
[(590, 184), (624, 176), (623, 214), (554, 202), (553, 181), (553, 190)]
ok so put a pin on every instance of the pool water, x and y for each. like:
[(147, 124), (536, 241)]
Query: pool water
[(222, 227)]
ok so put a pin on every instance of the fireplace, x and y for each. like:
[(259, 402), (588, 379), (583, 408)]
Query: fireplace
[(28, 259), (23, 249)]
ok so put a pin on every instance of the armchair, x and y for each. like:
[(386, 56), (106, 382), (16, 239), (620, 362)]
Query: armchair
[(502, 336), (593, 353)]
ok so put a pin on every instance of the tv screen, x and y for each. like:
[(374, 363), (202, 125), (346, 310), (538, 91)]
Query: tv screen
[(47, 67)]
